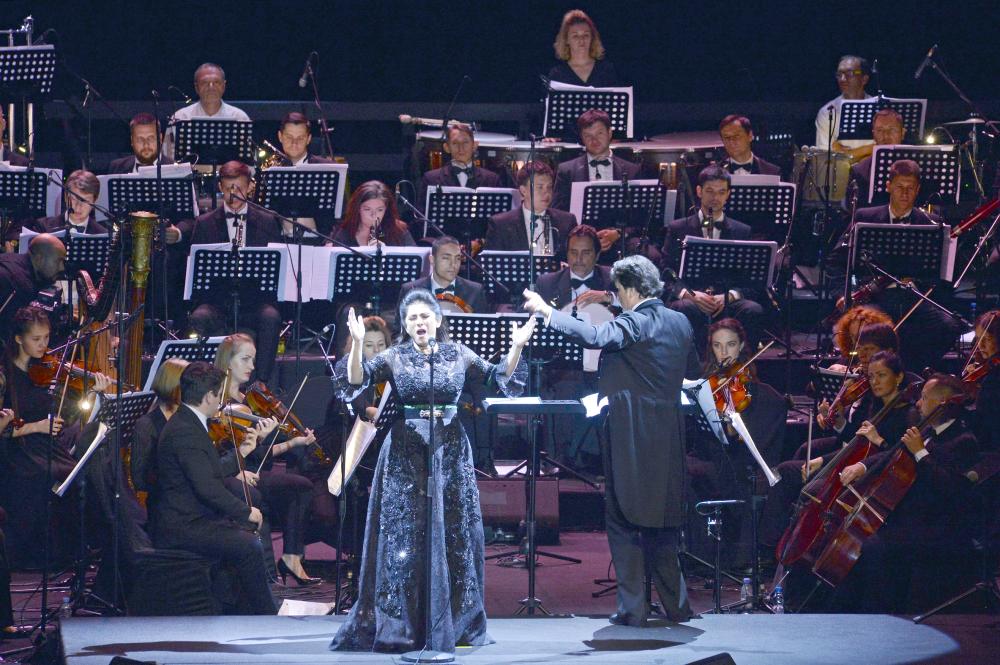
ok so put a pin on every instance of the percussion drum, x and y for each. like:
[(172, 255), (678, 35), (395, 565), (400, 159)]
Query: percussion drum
[(809, 173)]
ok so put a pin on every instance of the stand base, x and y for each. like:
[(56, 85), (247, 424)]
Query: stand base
[(529, 605), (988, 588), (427, 656)]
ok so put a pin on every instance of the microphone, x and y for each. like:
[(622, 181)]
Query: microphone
[(709, 218), (928, 59), (184, 95), (307, 69), (327, 328), (426, 122)]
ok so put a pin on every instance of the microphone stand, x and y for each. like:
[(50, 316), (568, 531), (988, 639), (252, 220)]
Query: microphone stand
[(915, 291), (165, 325), (451, 105), (319, 107)]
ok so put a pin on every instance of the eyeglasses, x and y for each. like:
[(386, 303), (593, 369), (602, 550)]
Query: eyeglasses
[(848, 74)]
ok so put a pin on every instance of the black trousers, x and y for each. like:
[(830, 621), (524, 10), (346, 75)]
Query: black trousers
[(636, 550), (238, 549), (289, 495), (747, 312), (263, 320), (6, 608)]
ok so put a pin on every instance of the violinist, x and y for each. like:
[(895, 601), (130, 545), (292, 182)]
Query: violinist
[(929, 529), (848, 327), (286, 492), (194, 511), (988, 393)]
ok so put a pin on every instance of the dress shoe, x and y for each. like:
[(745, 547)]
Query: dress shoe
[(620, 619), (284, 571)]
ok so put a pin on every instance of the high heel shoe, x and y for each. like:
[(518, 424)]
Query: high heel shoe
[(284, 571)]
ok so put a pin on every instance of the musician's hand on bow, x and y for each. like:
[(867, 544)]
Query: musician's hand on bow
[(356, 326), (519, 335), (608, 238), (868, 431), (248, 477), (852, 473), (812, 467), (535, 304), (591, 297), (914, 440)]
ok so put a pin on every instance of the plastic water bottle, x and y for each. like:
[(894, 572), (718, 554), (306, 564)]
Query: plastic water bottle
[(779, 600), (746, 590), (65, 608)]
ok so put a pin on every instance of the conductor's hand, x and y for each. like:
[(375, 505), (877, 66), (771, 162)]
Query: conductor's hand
[(608, 237), (172, 235), (256, 517), (519, 335), (535, 304), (356, 326)]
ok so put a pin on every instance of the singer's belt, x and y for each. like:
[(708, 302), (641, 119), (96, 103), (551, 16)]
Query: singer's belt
[(424, 411)]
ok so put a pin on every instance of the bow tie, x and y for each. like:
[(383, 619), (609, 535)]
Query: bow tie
[(733, 167), (718, 225), (901, 220), (591, 283), (457, 170), (238, 218), (448, 289), (600, 162)]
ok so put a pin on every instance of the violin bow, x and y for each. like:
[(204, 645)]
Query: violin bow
[(288, 411), (979, 341), (746, 364)]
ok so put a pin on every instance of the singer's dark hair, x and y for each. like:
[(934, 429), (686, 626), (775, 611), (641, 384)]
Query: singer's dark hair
[(391, 227), (532, 170), (904, 167), (585, 231), (198, 379), (863, 64), (637, 272), (742, 120), (424, 297), (294, 118), (592, 117), (881, 335), (234, 169), (142, 119), (714, 172), (462, 128), (441, 242), (890, 359)]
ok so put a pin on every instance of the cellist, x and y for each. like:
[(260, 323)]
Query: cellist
[(929, 527)]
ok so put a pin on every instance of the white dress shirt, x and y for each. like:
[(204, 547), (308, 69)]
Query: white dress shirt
[(231, 226), (823, 124), (539, 240), (600, 172), (201, 416)]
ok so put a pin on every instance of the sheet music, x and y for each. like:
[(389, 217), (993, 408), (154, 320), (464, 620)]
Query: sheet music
[(361, 436), (593, 405), (556, 85), (102, 432)]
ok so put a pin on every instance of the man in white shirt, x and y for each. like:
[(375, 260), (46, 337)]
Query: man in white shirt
[(210, 85), (852, 76)]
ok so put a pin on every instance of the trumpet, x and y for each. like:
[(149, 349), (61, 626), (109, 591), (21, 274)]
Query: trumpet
[(269, 155)]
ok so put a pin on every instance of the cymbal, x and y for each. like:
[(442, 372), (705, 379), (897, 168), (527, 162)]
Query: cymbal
[(967, 121)]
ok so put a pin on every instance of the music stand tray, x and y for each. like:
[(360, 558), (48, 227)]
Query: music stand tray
[(191, 350), (303, 191), (736, 263), (215, 141), (920, 251), (27, 72), (511, 268), (564, 103), (601, 203), (940, 169), (463, 212), (855, 118)]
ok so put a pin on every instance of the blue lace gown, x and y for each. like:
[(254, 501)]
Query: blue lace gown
[(389, 613)]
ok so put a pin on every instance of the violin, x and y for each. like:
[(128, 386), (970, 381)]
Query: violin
[(263, 402), (454, 300), (47, 369), (862, 296), (231, 424), (730, 384), (848, 394), (975, 372)]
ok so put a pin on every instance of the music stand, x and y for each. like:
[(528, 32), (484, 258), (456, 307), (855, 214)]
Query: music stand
[(27, 72), (23, 193), (940, 169), (133, 406), (512, 269), (604, 204), (924, 252), (190, 350), (356, 276), (855, 119), (743, 263), (84, 251), (565, 103), (303, 191), (215, 142), (128, 193), (827, 383), (768, 207), (534, 407), (464, 213), (252, 272)]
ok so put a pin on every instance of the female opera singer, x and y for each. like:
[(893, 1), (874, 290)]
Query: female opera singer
[(389, 613)]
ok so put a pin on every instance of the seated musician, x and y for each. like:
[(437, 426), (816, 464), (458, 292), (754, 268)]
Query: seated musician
[(582, 285), (456, 293), (925, 536), (295, 137), (236, 221), (852, 76), (887, 129), (372, 218), (23, 276), (702, 307), (7, 154), (142, 136), (509, 231), (78, 207), (461, 171), (736, 133), (194, 510), (847, 329), (580, 53), (927, 333), (210, 86), (988, 393)]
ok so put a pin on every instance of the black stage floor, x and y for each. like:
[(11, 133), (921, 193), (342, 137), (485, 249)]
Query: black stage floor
[(751, 639)]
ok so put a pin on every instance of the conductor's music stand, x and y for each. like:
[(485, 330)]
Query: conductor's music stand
[(511, 269), (940, 169), (565, 103), (215, 142), (856, 116), (191, 350)]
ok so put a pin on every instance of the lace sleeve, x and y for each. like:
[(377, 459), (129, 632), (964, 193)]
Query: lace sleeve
[(478, 370), (375, 370)]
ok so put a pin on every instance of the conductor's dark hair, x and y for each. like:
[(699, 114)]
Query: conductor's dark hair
[(881, 335), (890, 359), (904, 167), (585, 231), (863, 64), (198, 379), (741, 120), (424, 297), (714, 172), (951, 383), (593, 116), (294, 118), (533, 170), (441, 241), (637, 272)]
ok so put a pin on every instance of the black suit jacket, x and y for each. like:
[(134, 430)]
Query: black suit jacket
[(446, 177), (58, 223), (261, 228), (861, 174), (555, 287), (679, 229), (758, 167), (506, 231), (472, 293), (646, 354), (124, 164), (17, 276), (189, 476), (576, 170)]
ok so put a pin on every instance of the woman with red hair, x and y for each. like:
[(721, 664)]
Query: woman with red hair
[(372, 217)]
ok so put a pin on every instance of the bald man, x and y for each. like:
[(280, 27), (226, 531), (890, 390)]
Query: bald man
[(22, 276)]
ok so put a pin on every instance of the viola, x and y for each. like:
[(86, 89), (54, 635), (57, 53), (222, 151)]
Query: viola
[(848, 394), (48, 369), (975, 372)]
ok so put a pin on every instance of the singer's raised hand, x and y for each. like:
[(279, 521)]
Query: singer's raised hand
[(356, 326), (519, 335)]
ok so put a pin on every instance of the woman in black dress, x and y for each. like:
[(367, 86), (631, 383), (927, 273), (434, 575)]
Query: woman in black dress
[(580, 53), (371, 218)]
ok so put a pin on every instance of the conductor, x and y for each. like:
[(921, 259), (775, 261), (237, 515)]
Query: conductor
[(647, 351)]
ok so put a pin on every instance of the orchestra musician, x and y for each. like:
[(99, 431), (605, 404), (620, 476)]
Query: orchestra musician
[(852, 76), (848, 327), (143, 129), (454, 292), (372, 218), (718, 301), (929, 530), (509, 231), (736, 133), (887, 129), (194, 511), (295, 137), (78, 207), (988, 394), (7, 154), (580, 53), (23, 276), (236, 222), (461, 171), (210, 86)]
